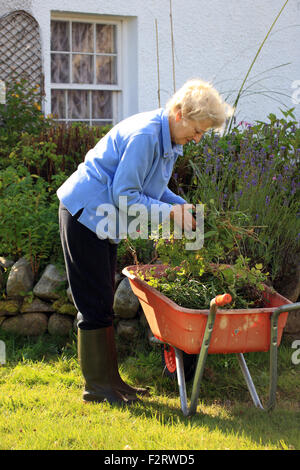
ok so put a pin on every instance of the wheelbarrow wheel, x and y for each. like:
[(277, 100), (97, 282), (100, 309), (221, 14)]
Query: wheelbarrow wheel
[(169, 363)]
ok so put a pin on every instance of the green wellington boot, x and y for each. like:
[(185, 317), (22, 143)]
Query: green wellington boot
[(121, 386), (97, 365)]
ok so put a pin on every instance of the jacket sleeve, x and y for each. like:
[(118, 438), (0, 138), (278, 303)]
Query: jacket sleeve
[(134, 166), (172, 198)]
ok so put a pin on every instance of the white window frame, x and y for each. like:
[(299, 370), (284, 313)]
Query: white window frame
[(116, 89)]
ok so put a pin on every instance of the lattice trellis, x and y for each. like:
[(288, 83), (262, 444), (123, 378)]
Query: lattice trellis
[(20, 48)]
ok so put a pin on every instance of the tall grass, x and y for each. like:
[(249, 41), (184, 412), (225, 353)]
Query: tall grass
[(231, 121)]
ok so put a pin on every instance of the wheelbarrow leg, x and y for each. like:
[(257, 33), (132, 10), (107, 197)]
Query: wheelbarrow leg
[(181, 381), (273, 367), (191, 410), (273, 361), (249, 381)]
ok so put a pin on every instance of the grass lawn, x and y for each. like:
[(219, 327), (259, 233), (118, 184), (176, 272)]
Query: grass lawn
[(41, 406)]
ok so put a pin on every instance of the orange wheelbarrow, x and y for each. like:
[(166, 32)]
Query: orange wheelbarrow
[(213, 331)]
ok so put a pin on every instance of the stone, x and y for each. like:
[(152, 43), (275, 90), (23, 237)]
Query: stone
[(36, 306), (20, 279), (30, 324), (126, 304), (65, 308), (143, 320), (60, 325), (290, 288), (290, 282), (128, 329), (51, 280), (292, 327), (9, 307), (5, 262), (118, 279)]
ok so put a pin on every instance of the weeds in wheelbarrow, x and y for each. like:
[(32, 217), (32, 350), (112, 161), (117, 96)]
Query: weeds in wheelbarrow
[(196, 291), (195, 277)]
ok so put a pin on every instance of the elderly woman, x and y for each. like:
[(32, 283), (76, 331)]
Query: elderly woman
[(134, 161)]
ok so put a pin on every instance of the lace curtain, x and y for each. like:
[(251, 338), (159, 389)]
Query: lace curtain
[(83, 53), (83, 105)]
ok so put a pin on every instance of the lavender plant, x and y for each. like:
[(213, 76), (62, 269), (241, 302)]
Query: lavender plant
[(255, 170)]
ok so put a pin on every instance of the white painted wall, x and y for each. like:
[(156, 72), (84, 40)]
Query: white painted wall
[(215, 40)]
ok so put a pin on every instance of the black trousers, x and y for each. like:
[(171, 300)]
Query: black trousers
[(90, 267)]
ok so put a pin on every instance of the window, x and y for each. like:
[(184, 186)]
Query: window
[(85, 71)]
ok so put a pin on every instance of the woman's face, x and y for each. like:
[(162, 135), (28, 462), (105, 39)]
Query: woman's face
[(184, 130)]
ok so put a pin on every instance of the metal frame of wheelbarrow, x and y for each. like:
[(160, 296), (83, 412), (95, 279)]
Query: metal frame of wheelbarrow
[(191, 410)]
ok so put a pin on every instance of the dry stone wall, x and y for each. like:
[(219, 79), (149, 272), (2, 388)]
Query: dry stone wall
[(46, 306)]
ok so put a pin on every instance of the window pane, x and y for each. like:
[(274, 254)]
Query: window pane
[(102, 105), (58, 103), (60, 40), (106, 70), (60, 68), (106, 38), (82, 67), (82, 37), (78, 104)]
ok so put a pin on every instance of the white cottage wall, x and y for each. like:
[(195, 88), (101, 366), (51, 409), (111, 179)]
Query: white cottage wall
[(215, 40)]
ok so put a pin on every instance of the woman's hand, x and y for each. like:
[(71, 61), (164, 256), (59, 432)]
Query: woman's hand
[(182, 216)]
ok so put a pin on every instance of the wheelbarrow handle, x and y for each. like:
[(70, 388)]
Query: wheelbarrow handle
[(218, 301), (221, 300), (286, 308)]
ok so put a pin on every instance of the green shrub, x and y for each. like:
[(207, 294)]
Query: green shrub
[(28, 218), (36, 156), (22, 112), (60, 147)]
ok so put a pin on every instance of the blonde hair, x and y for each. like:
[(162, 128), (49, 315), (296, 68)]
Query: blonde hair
[(198, 100)]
